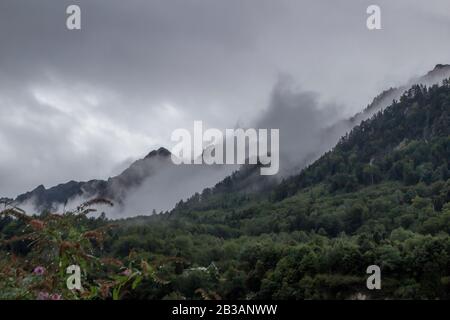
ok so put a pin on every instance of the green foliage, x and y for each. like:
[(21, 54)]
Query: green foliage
[(381, 196), (35, 263)]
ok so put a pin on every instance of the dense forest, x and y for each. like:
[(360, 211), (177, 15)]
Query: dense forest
[(381, 196)]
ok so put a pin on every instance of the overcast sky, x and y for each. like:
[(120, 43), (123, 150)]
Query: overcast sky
[(81, 104)]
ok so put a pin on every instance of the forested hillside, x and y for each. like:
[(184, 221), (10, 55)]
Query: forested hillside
[(381, 196)]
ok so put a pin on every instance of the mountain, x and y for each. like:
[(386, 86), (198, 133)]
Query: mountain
[(408, 141), (114, 188), (416, 128), (380, 197), (331, 135), (296, 154), (384, 99), (148, 185), (170, 183)]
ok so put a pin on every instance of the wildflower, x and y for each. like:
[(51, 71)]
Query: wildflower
[(55, 296), (43, 296), (126, 272), (39, 271), (37, 224)]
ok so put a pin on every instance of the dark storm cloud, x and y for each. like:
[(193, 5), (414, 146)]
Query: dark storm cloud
[(76, 104)]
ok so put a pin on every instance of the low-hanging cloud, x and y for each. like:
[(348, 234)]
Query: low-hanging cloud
[(302, 120), (78, 105)]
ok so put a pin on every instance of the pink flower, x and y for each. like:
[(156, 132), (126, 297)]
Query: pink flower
[(43, 296), (39, 271), (55, 296), (126, 272)]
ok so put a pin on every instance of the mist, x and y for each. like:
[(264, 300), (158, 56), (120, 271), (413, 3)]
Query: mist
[(170, 184)]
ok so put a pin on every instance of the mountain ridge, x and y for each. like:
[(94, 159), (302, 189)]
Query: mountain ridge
[(117, 187), (381, 196), (113, 188)]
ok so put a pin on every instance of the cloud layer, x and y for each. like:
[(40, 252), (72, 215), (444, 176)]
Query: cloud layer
[(81, 104)]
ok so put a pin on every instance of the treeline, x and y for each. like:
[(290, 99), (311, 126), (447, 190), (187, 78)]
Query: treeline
[(408, 141), (381, 196)]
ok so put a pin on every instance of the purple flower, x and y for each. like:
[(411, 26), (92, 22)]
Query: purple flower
[(39, 271), (126, 272), (43, 296), (55, 296)]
